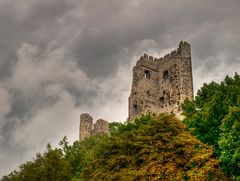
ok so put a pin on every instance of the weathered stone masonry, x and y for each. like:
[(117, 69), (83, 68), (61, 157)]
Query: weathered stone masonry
[(161, 85), (87, 128)]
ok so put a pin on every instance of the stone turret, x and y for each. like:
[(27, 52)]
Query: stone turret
[(86, 124), (161, 84), (87, 128)]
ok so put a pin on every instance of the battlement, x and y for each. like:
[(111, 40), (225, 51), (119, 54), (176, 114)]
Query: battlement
[(182, 50), (161, 84), (148, 61), (184, 44), (87, 128)]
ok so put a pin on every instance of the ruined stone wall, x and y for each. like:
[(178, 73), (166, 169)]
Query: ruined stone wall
[(101, 126), (161, 85), (86, 124), (185, 71), (87, 128)]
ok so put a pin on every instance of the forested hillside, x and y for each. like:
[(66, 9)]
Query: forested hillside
[(214, 116), (154, 148)]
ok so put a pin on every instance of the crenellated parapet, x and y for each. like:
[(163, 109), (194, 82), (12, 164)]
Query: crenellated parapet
[(147, 61), (184, 49)]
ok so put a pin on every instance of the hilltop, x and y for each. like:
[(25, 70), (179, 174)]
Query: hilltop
[(154, 147)]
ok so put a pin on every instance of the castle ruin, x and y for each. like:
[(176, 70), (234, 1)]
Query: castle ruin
[(87, 128), (161, 84)]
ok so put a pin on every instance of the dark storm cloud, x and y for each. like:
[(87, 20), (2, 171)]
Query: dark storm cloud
[(113, 26), (59, 58), (95, 32)]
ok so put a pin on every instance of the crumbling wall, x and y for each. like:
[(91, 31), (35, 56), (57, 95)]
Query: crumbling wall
[(101, 126), (161, 85), (86, 124), (87, 128)]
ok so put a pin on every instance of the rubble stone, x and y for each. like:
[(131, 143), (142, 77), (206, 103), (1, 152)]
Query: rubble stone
[(163, 84), (87, 128)]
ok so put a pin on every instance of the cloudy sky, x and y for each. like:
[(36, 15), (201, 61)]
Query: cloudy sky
[(60, 58)]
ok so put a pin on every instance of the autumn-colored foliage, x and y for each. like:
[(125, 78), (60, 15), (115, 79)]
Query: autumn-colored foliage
[(150, 148), (154, 149)]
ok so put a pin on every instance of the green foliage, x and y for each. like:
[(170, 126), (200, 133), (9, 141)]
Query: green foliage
[(114, 127), (153, 149), (124, 128), (79, 154), (230, 142), (148, 149), (211, 118), (49, 166)]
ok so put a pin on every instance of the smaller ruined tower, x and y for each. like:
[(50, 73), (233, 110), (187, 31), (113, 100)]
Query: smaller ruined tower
[(87, 128), (101, 126), (86, 124)]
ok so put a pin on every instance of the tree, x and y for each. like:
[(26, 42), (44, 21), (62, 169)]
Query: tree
[(211, 105), (114, 127), (213, 118), (229, 142), (153, 149), (49, 166), (80, 153)]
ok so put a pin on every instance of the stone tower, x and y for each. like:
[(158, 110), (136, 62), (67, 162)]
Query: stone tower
[(86, 124), (101, 126), (161, 84), (87, 128)]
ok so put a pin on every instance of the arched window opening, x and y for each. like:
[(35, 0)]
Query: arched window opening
[(147, 74), (135, 107), (165, 75), (148, 93), (161, 99)]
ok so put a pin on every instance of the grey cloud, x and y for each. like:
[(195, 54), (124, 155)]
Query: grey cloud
[(165, 22), (41, 85), (59, 58), (5, 108), (104, 27)]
